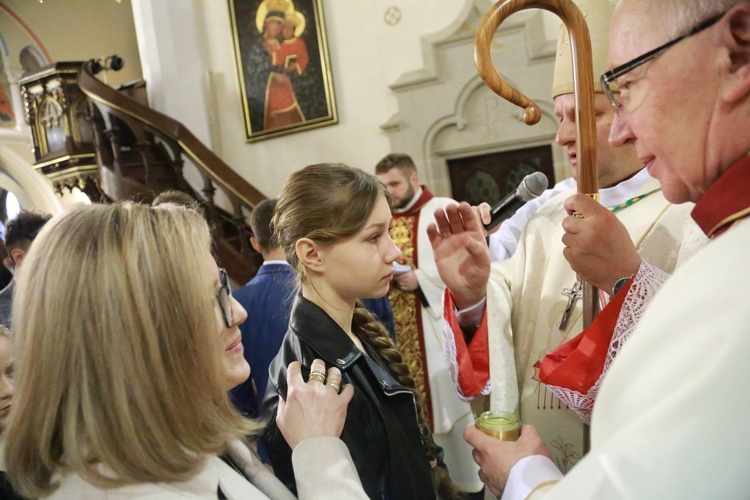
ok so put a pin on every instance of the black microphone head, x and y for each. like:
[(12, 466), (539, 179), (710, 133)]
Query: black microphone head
[(532, 186)]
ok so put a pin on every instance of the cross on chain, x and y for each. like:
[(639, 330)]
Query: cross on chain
[(574, 294)]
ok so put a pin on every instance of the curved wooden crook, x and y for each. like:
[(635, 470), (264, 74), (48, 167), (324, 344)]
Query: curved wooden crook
[(583, 75), (583, 87)]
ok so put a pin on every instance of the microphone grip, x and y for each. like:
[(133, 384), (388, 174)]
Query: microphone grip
[(504, 209)]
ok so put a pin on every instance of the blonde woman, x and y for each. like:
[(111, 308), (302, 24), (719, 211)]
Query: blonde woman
[(124, 362)]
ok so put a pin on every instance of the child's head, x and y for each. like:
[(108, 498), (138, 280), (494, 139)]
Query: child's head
[(6, 372), (328, 203), (293, 26)]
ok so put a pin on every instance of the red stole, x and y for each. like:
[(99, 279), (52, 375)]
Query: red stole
[(414, 210), (576, 364), (579, 363)]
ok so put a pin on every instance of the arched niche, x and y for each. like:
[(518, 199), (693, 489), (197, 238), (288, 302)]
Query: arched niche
[(446, 111)]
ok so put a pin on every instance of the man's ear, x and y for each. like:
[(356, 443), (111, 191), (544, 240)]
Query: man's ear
[(17, 254), (736, 41), (254, 243), (308, 253)]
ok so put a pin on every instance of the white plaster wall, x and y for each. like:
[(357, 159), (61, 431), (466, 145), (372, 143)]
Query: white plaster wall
[(75, 30)]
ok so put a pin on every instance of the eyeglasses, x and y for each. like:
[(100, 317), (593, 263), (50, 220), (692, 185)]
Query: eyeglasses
[(223, 296), (609, 77)]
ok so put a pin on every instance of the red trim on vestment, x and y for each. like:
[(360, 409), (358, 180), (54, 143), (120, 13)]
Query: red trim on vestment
[(423, 199), (725, 201), (404, 332), (473, 359), (578, 363)]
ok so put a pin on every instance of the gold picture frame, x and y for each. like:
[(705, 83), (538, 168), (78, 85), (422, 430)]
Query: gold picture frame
[(283, 69)]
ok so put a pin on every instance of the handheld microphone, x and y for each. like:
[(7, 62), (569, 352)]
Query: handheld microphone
[(531, 187)]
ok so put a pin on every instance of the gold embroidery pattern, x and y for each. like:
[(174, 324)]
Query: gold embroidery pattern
[(565, 457), (407, 313)]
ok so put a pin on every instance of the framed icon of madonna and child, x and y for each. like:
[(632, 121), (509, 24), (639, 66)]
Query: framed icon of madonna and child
[(283, 69)]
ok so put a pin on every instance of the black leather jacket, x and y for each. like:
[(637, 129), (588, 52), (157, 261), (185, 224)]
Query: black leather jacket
[(381, 429)]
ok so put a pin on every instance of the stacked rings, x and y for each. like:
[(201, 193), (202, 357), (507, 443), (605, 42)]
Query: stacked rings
[(316, 375)]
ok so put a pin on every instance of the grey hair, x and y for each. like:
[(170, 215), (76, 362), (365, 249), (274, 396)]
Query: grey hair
[(684, 14)]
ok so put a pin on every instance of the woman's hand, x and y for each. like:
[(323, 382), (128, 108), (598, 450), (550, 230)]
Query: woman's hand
[(314, 408)]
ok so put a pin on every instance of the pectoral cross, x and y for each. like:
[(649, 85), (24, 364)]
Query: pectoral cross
[(573, 294)]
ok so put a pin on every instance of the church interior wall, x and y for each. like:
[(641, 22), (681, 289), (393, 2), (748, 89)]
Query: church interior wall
[(184, 50)]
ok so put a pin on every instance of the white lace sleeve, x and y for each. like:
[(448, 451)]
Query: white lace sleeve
[(647, 281)]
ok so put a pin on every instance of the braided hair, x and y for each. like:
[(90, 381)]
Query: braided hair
[(372, 332)]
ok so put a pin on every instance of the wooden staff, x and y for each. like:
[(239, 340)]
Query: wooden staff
[(583, 86)]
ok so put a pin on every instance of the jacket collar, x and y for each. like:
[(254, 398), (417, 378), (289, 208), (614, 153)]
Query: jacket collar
[(314, 327), (268, 268)]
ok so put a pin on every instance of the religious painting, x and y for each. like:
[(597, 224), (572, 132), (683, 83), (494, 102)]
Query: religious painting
[(492, 176), (283, 69)]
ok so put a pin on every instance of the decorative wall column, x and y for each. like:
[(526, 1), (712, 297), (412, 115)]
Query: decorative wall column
[(171, 44)]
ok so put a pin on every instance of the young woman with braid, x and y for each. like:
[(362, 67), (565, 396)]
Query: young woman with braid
[(332, 222)]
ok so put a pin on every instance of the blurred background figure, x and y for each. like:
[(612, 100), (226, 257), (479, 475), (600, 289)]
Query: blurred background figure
[(268, 300), (19, 233)]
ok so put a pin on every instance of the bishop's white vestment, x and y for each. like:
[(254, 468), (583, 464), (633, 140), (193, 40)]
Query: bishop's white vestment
[(525, 306)]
